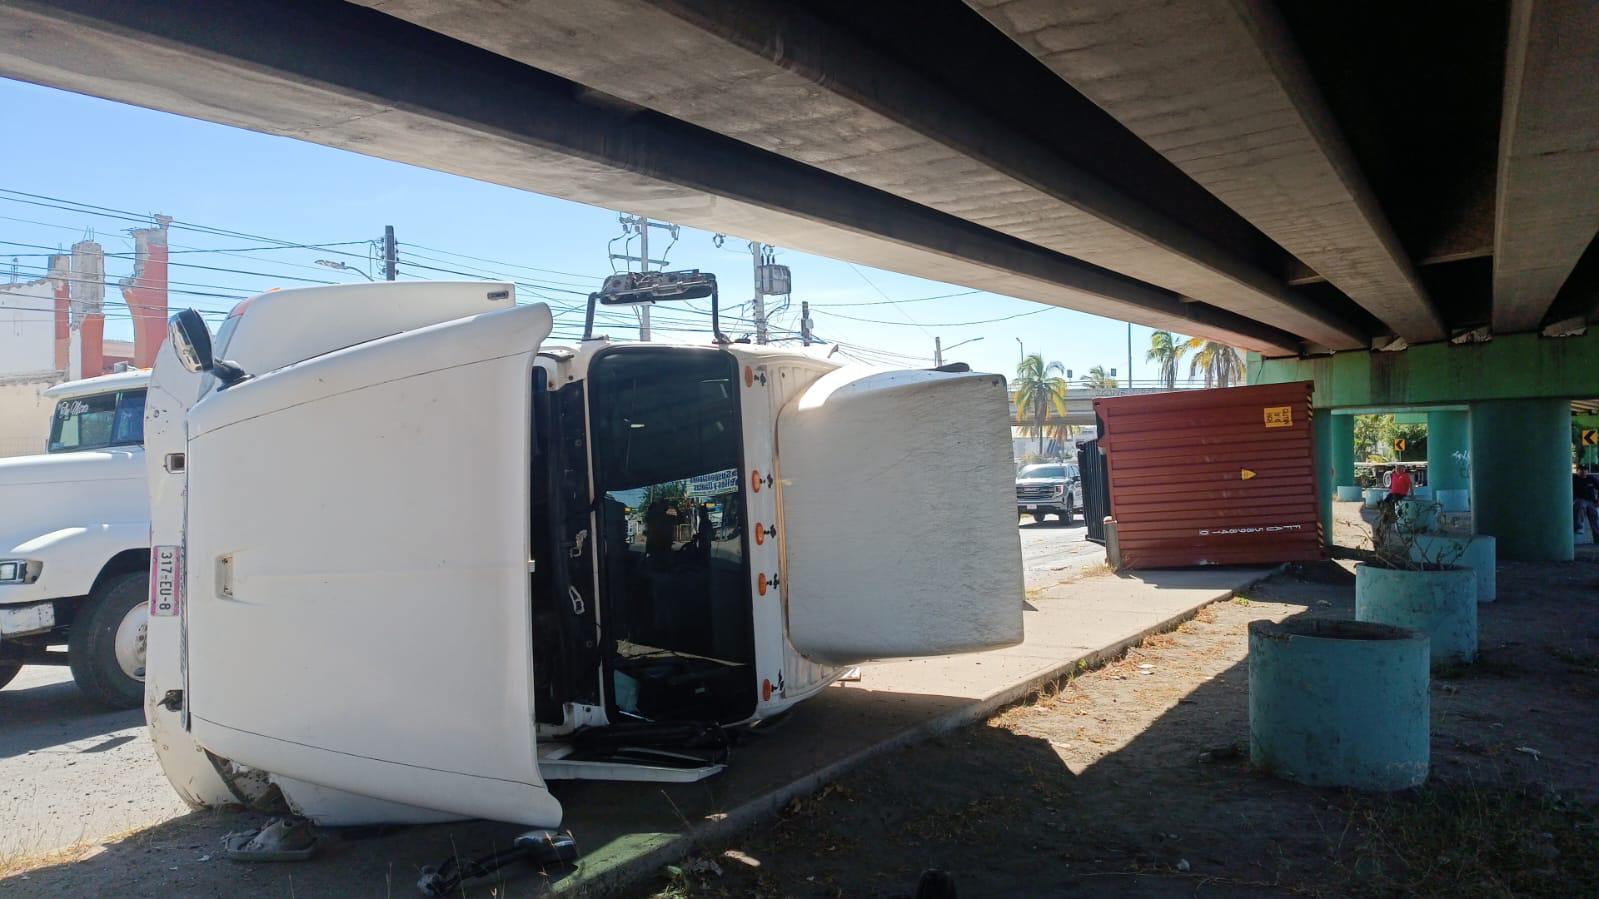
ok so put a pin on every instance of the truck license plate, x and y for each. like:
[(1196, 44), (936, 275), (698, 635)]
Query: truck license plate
[(166, 580), (1032, 508)]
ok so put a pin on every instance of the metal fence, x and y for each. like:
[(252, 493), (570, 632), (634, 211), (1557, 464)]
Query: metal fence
[(1096, 492)]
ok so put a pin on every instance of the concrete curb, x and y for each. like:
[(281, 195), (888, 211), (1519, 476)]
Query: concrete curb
[(628, 872)]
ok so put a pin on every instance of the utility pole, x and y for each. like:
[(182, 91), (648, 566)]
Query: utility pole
[(757, 251), (1129, 354), (391, 253), (644, 266), (805, 323), (938, 352), (630, 222)]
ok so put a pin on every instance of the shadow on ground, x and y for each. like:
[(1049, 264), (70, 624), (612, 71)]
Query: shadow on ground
[(1134, 780)]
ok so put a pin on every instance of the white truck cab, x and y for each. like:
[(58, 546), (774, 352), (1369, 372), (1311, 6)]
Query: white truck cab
[(74, 542), (422, 563)]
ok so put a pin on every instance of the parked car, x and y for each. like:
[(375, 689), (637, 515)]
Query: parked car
[(75, 542), (1049, 488)]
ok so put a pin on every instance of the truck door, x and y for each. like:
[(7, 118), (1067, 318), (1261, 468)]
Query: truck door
[(899, 516), (358, 570)]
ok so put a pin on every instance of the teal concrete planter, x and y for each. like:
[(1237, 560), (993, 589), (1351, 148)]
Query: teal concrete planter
[(1421, 493), (1413, 516), (1455, 500), (1441, 604), (1476, 552), (1374, 496), (1347, 493), (1339, 703)]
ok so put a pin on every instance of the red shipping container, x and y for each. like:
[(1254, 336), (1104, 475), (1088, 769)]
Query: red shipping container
[(1212, 477)]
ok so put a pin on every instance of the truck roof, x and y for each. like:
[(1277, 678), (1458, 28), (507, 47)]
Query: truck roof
[(123, 380)]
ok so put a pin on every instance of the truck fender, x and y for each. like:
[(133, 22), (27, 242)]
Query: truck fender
[(75, 557)]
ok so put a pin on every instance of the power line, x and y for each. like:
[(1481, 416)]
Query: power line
[(942, 296)]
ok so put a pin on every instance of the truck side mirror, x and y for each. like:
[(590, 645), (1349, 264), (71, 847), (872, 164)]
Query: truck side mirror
[(191, 340)]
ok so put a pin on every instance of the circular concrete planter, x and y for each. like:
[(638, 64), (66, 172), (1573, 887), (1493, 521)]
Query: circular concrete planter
[(1441, 604), (1475, 552), (1416, 515), (1373, 496), (1455, 500), (1347, 493), (1339, 703)]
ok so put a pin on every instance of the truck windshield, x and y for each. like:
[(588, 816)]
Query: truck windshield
[(674, 586), (1043, 471), (97, 421)]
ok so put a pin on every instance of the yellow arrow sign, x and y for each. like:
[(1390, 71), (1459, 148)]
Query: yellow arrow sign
[(1590, 437), (1400, 444), (1245, 474)]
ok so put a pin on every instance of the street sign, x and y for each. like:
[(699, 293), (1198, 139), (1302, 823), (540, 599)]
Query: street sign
[(1590, 437), (1400, 445)]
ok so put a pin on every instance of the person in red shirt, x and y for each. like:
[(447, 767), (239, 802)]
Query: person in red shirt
[(1399, 483)]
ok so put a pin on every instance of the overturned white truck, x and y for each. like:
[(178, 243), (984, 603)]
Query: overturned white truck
[(410, 563)]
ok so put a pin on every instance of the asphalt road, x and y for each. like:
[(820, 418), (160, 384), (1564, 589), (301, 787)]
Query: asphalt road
[(71, 772)]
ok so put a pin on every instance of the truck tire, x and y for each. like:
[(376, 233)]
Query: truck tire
[(1039, 517), (1066, 511), (8, 670), (106, 642)]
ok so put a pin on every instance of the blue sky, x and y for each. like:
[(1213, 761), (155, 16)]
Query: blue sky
[(124, 158)]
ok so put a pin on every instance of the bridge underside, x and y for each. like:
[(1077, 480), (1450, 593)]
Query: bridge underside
[(1287, 177)]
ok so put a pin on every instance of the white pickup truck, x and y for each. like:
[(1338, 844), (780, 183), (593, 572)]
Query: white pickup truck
[(75, 542), (412, 562)]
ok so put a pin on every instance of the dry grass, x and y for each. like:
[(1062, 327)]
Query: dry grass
[(23, 861), (1470, 840)]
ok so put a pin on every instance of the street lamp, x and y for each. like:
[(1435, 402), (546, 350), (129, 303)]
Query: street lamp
[(329, 263), (939, 348), (1021, 352)]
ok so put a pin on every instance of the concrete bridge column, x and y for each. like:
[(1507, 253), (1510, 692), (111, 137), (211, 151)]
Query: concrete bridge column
[(1447, 433), (1342, 450), (1521, 476), (1321, 429)]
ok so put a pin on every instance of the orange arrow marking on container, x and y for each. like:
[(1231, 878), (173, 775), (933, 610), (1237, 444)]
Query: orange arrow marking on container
[(1245, 474)]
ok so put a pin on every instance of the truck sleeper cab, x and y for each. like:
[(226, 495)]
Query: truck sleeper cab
[(497, 563)]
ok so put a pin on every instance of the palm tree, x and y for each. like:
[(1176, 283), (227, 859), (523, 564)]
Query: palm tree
[(1222, 365), (1168, 350), (1098, 377), (1040, 389)]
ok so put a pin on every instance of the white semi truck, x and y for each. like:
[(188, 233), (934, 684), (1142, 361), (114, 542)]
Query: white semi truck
[(411, 563), (75, 542)]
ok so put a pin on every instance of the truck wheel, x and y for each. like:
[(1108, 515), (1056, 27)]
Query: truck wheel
[(1040, 516), (106, 642), (1066, 513), (8, 670)]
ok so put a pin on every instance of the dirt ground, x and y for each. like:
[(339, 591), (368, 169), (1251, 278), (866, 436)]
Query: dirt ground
[(1134, 779)]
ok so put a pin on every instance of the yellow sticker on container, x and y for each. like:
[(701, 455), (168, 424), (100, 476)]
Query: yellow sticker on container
[(1279, 416)]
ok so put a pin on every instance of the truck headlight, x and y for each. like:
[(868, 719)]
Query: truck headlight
[(1058, 489), (19, 571)]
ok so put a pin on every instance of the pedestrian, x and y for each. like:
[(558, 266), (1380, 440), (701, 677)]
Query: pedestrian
[(1399, 485), (1585, 503)]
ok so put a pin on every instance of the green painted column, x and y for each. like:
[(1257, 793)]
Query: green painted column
[(1447, 433), (1342, 450), (1322, 429), (1521, 477)]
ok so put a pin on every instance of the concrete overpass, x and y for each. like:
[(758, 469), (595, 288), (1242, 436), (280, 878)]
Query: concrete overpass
[(1293, 178)]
